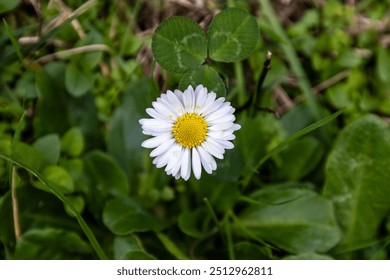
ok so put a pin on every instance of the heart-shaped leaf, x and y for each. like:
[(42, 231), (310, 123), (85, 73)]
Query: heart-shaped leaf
[(233, 35), (206, 76), (179, 44)]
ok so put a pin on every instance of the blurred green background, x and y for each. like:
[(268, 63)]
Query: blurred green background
[(76, 76)]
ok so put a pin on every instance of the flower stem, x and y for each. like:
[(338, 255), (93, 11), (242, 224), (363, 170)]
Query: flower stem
[(251, 103)]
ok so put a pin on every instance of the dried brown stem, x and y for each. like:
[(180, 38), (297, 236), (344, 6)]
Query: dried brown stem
[(330, 82), (15, 207), (70, 52)]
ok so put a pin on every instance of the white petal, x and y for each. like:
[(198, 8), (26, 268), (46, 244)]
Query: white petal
[(185, 162), (221, 126), (225, 144), (154, 122), (189, 99), (163, 110), (206, 159), (213, 149), (156, 141), (154, 114), (213, 106), (236, 127), (209, 100), (187, 176), (200, 99), (196, 165), (179, 95), (162, 148), (222, 111), (161, 160), (225, 118), (176, 169), (153, 133), (198, 89), (175, 152), (177, 106), (156, 129), (221, 135), (229, 137)]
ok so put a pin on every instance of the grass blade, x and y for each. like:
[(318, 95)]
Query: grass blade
[(13, 41), (171, 247)]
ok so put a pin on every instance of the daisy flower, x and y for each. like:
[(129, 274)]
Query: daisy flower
[(189, 129)]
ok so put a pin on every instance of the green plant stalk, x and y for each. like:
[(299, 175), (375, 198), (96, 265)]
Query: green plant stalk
[(91, 237), (292, 57), (292, 138), (171, 247), (215, 218), (239, 73), (212, 212), (229, 237)]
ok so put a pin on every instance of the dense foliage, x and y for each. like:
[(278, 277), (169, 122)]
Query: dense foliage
[(308, 177)]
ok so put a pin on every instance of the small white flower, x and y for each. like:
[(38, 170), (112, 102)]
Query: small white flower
[(189, 129)]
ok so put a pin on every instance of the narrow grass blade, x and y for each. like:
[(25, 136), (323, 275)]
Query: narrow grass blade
[(171, 247), (13, 41)]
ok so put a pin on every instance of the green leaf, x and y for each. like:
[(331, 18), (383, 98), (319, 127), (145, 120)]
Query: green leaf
[(106, 172), (251, 251), (295, 219), (221, 195), (7, 235), (206, 76), (51, 113), (58, 176), (78, 204), (72, 143), (8, 5), (78, 82), (358, 179), (51, 244), (30, 156), (308, 256), (233, 35), (49, 148), (124, 216), (191, 223), (298, 159), (382, 65), (179, 44), (230, 168), (252, 141), (128, 248)]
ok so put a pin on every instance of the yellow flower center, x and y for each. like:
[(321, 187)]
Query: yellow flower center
[(190, 130)]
